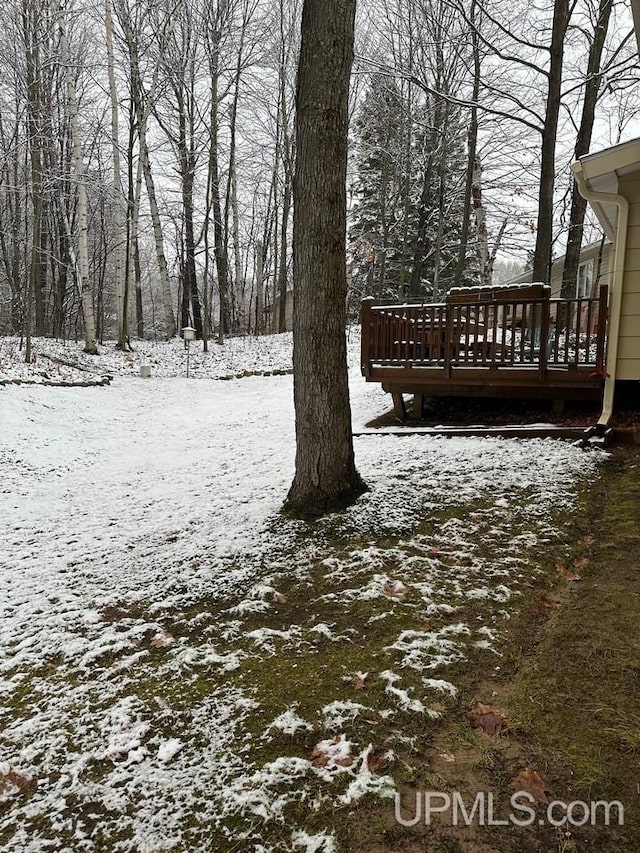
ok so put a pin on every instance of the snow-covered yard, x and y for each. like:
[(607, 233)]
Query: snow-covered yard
[(183, 669)]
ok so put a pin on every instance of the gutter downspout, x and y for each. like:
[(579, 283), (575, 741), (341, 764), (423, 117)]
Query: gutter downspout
[(617, 281)]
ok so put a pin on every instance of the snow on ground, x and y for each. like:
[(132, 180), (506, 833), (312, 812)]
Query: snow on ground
[(142, 561), (167, 359)]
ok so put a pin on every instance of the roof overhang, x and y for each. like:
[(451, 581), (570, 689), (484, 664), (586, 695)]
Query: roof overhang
[(635, 8), (601, 172)]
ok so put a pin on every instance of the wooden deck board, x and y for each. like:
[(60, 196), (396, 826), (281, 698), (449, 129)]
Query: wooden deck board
[(500, 348)]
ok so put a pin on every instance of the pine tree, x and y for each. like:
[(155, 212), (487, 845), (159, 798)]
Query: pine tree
[(407, 221), (376, 232)]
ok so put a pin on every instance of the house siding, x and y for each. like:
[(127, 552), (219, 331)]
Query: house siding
[(589, 253), (629, 344)]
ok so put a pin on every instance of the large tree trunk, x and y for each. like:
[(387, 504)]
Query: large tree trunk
[(472, 149), (544, 235), (220, 246), (119, 204), (259, 321), (583, 142), (86, 286), (33, 35), (142, 108), (326, 478), (481, 223), (191, 298)]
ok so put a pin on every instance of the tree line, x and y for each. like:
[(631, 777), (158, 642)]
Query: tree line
[(147, 153)]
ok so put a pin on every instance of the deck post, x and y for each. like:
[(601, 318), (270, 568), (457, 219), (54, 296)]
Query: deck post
[(417, 408), (448, 338), (399, 405), (544, 336), (365, 335)]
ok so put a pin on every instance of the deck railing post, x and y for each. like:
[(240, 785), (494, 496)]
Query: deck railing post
[(544, 335), (365, 335), (448, 337)]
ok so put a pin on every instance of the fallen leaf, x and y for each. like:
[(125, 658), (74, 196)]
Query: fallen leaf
[(530, 781), (162, 640), (396, 589), (581, 562), (372, 759), (358, 679), (332, 753), (13, 778), (279, 598), (586, 541), (547, 602), (438, 707), (491, 720), (567, 573), (449, 757)]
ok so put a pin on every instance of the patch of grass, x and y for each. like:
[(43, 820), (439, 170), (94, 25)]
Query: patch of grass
[(576, 701)]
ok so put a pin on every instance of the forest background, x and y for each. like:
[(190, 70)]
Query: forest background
[(147, 154)]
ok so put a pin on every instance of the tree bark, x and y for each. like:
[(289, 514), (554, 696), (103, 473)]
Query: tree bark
[(220, 246), (583, 142), (86, 286), (544, 235), (472, 149), (481, 223), (119, 204), (142, 107), (326, 478)]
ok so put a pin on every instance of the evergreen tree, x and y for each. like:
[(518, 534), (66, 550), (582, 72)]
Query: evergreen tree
[(410, 167), (376, 232)]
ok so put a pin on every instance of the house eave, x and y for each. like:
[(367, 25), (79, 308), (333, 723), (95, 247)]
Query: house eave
[(602, 171), (635, 8)]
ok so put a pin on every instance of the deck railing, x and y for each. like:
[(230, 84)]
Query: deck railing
[(527, 333)]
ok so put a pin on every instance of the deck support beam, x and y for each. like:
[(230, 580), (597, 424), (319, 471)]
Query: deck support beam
[(399, 406), (417, 410)]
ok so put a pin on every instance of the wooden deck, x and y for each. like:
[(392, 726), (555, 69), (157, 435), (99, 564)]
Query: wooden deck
[(485, 343)]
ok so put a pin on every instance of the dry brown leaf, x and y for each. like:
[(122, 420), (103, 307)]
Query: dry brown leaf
[(14, 779), (374, 760), (332, 753), (547, 602), (530, 781), (567, 573), (581, 562), (279, 598), (358, 679), (162, 640), (491, 720), (396, 589), (586, 541)]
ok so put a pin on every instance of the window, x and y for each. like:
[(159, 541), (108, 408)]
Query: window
[(585, 280)]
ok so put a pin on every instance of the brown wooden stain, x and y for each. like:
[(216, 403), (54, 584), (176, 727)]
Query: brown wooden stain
[(488, 342)]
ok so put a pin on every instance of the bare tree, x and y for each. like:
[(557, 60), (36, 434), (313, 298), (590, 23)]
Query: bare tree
[(86, 286), (583, 143)]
